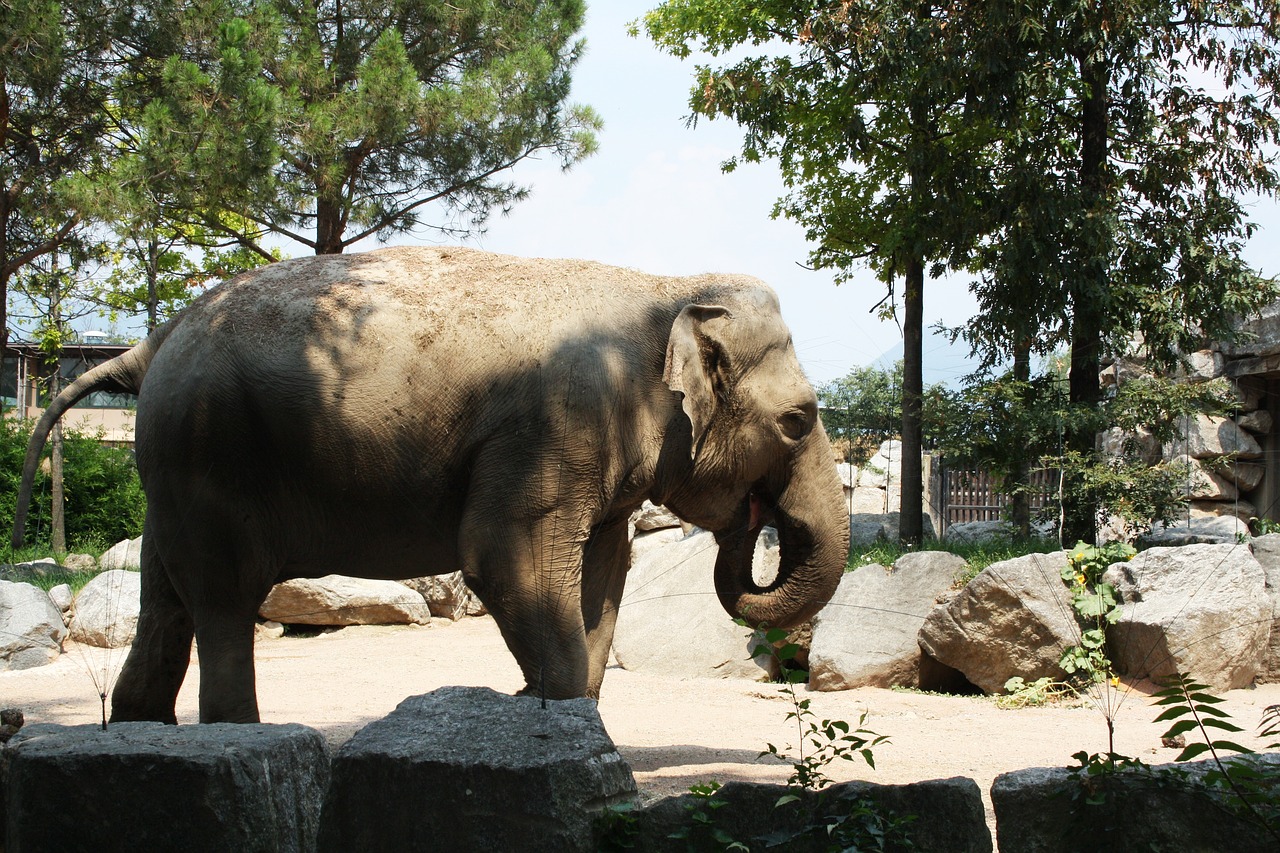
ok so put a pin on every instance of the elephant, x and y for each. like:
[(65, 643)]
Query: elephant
[(415, 411)]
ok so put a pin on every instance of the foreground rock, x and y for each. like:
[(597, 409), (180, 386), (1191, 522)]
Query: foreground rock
[(1200, 610), (939, 815), (1014, 618), (471, 769), (148, 786), (340, 600), (866, 635), (1056, 810), (31, 627), (106, 610), (670, 620)]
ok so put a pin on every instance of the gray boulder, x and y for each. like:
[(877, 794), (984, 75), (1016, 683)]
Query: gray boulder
[(105, 613), (1014, 618), (148, 786), (1166, 807), (466, 768), (340, 600), (1266, 550), (1258, 423), (935, 815), (866, 635), (1197, 530), (31, 627), (868, 527), (447, 596), (1199, 610), (670, 620), (1207, 436), (126, 555), (62, 598), (978, 531)]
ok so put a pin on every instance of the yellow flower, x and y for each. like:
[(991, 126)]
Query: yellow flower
[(1080, 579), (1115, 681)]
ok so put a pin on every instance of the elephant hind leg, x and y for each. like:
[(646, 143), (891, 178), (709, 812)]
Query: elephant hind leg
[(157, 662)]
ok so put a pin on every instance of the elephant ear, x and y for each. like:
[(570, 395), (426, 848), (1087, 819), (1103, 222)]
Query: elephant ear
[(693, 358)]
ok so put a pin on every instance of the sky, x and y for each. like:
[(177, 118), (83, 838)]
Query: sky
[(654, 198)]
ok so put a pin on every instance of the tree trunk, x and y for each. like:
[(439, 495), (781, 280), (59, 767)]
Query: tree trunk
[(911, 510), (153, 277), (57, 511), (1020, 500), (1088, 296), (329, 226)]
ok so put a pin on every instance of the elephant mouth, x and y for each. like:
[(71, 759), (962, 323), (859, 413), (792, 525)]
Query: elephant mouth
[(760, 507)]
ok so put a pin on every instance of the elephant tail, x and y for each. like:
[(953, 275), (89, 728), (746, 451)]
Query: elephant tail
[(122, 375)]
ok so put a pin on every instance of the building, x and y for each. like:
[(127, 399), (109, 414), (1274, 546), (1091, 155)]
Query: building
[(24, 389)]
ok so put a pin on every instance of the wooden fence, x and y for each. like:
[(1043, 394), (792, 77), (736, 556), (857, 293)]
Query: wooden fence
[(969, 494)]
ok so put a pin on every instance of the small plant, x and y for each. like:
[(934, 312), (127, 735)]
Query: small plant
[(1042, 691), (1096, 607), (616, 828), (702, 831), (1253, 794), (1263, 526)]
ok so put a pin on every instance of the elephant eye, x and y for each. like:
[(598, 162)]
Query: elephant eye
[(797, 423)]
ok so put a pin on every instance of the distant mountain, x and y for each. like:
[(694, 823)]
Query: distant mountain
[(944, 362)]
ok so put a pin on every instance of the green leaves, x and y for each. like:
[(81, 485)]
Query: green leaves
[(1194, 709)]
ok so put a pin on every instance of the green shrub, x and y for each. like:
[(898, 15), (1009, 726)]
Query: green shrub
[(104, 502)]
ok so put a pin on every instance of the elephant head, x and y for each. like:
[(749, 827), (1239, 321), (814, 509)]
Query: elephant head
[(755, 453)]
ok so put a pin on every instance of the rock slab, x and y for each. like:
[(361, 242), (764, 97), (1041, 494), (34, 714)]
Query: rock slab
[(1014, 618), (126, 554), (1199, 610), (31, 627), (340, 600), (465, 768), (148, 786), (105, 612), (1044, 810), (1266, 550), (935, 815), (866, 635), (670, 620)]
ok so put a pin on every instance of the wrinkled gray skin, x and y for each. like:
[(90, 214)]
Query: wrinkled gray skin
[(416, 411)]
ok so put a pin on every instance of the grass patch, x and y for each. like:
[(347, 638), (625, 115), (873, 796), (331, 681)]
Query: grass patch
[(44, 575), (978, 555)]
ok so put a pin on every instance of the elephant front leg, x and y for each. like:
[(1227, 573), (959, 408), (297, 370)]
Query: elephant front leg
[(529, 578), (604, 574)]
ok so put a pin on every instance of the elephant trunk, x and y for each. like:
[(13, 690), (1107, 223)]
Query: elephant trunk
[(813, 536)]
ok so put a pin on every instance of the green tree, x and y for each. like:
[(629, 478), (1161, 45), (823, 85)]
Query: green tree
[(54, 124), (876, 115), (1138, 129), (366, 112), (862, 409)]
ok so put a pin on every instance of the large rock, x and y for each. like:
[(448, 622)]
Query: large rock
[(466, 768), (1245, 475), (935, 815), (1139, 444), (866, 635), (1014, 618), (126, 555), (340, 600), (650, 540), (1266, 550), (1222, 529), (1167, 807), (1258, 423), (869, 527), (884, 469), (979, 531), (447, 596), (105, 613), (1207, 436), (31, 627), (670, 620), (1201, 481), (1199, 610), (148, 786)]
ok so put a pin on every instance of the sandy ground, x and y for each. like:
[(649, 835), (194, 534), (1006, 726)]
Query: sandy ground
[(673, 733)]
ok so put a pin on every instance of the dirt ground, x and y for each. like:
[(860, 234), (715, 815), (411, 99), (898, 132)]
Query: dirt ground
[(673, 733)]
